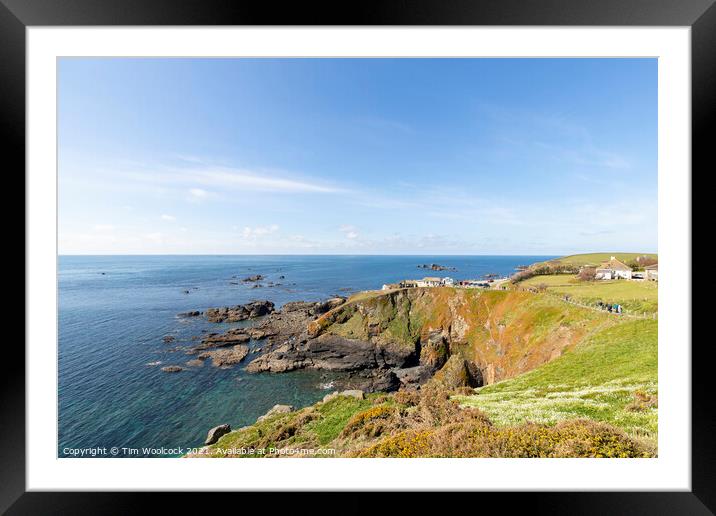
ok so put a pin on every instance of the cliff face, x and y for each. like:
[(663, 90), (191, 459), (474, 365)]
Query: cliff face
[(499, 333)]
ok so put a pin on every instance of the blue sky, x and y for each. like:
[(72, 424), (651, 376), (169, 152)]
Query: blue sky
[(357, 156)]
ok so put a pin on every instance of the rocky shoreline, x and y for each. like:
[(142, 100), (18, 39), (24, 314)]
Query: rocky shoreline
[(294, 337)]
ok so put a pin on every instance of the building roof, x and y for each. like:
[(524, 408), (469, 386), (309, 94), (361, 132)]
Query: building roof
[(614, 265), (432, 279), (654, 267)]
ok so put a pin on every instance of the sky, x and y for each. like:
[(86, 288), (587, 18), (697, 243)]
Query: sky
[(357, 156)]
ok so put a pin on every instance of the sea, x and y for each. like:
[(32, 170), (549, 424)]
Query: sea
[(114, 312)]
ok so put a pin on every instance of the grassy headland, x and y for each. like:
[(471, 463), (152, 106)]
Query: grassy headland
[(594, 259), (634, 296), (562, 381)]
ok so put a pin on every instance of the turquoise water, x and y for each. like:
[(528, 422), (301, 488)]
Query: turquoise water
[(115, 310)]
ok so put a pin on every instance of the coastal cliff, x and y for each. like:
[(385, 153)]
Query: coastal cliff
[(480, 373), (412, 333)]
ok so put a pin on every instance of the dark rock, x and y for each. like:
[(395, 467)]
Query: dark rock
[(169, 338), (229, 338), (217, 432), (436, 267), (256, 277), (193, 313), (412, 377), (240, 312), (172, 369)]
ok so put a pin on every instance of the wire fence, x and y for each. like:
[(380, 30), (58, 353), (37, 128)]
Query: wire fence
[(593, 306)]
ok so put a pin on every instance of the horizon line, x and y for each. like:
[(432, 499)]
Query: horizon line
[(348, 254)]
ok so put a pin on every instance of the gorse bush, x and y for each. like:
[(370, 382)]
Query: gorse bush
[(478, 438)]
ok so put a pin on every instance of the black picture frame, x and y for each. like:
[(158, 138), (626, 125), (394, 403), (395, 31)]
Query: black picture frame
[(16, 15)]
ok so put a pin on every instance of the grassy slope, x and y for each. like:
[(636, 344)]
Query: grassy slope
[(596, 380), (598, 258), (635, 296)]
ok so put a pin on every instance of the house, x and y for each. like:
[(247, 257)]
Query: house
[(652, 272), (613, 269), (430, 282), (448, 282)]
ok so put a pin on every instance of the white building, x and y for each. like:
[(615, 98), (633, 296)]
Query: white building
[(652, 272), (430, 282), (613, 269)]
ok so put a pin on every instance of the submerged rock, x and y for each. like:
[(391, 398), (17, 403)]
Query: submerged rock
[(172, 369), (193, 313)]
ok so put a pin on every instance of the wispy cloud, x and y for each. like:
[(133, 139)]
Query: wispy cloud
[(168, 218), (197, 194), (259, 231), (204, 177), (350, 232)]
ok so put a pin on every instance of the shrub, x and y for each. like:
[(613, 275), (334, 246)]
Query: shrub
[(371, 422), (410, 443), (407, 397), (587, 274), (642, 402), (476, 437)]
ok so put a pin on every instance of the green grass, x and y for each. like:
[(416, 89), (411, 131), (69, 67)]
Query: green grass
[(635, 296), (597, 380), (598, 258), (311, 427), (335, 414)]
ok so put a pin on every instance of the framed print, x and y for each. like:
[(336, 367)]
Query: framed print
[(413, 250)]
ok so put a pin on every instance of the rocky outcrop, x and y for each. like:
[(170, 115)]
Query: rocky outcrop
[(255, 277), (193, 313), (226, 357), (229, 338), (276, 409), (436, 267), (434, 348), (384, 341), (458, 372), (414, 377), (239, 312), (328, 352), (172, 369), (215, 433)]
